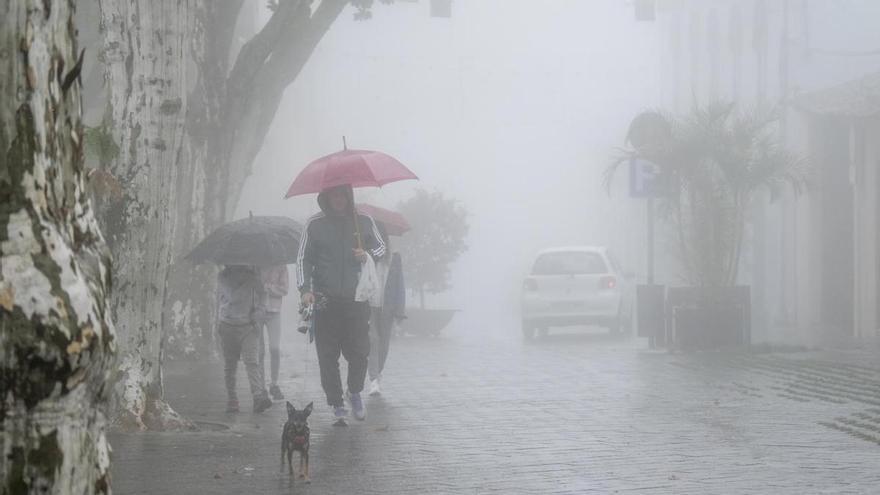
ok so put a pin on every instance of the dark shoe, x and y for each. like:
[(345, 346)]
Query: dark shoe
[(262, 404), (232, 406), (275, 392)]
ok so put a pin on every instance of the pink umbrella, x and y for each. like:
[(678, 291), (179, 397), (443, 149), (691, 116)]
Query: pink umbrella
[(357, 168), (395, 223)]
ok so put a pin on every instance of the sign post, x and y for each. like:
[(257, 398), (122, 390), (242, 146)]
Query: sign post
[(648, 133), (647, 182)]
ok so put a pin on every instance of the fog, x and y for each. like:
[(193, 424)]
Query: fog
[(671, 282), (512, 107)]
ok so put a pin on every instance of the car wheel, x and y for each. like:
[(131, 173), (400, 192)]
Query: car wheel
[(528, 330)]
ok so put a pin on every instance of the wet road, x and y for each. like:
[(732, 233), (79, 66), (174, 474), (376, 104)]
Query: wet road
[(574, 413)]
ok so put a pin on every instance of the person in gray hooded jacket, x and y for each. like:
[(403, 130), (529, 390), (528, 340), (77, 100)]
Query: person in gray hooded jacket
[(328, 267), (241, 308)]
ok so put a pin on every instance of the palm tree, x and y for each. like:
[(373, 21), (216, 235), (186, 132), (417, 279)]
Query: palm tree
[(716, 160)]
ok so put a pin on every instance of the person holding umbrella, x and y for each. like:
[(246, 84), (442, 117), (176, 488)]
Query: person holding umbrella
[(390, 305), (242, 247), (335, 244), (334, 264), (241, 304)]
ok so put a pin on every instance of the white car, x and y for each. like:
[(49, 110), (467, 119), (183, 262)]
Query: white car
[(576, 286)]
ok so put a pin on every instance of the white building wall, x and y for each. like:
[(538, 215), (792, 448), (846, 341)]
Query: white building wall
[(866, 181), (765, 52)]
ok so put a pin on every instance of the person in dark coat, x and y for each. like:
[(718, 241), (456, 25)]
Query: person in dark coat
[(328, 269)]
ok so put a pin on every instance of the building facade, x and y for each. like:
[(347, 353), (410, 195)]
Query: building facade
[(812, 259)]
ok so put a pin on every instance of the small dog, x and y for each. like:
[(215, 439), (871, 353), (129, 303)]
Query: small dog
[(296, 437)]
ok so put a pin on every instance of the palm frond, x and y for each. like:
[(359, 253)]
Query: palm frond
[(623, 156), (720, 157)]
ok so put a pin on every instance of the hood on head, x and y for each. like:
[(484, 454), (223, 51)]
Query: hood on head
[(325, 205)]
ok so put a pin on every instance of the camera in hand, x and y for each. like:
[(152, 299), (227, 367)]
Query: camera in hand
[(306, 312)]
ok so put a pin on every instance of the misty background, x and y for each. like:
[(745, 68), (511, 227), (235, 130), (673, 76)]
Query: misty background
[(754, 126), (513, 108)]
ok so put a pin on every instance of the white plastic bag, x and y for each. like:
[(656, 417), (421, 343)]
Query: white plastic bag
[(368, 283)]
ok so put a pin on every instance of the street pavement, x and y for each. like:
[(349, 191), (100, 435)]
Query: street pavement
[(579, 412)]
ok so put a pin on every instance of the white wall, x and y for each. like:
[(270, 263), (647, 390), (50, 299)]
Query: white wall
[(828, 43), (868, 220)]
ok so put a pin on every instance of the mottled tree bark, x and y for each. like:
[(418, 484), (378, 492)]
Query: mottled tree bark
[(147, 54), (57, 342)]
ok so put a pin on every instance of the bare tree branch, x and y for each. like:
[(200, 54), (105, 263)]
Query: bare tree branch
[(292, 55), (256, 52), (258, 103), (221, 20)]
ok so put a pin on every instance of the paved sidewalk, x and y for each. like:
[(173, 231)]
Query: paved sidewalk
[(574, 413)]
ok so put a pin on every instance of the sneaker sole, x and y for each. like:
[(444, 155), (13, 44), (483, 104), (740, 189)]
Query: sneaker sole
[(340, 422)]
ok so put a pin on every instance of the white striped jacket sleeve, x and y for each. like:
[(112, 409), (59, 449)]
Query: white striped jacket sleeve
[(304, 262), (378, 251)]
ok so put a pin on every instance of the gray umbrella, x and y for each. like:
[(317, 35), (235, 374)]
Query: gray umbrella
[(262, 241)]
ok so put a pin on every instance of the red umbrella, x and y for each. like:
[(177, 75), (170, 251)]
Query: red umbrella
[(395, 223), (357, 168)]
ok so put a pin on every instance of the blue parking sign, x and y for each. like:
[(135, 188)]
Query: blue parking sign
[(645, 179)]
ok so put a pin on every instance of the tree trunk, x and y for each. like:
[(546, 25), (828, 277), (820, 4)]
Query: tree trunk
[(147, 50), (57, 342), (190, 306), (227, 121), (188, 130)]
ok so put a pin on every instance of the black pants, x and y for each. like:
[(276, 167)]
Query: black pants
[(343, 326)]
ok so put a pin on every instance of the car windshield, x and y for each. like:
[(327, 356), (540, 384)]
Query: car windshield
[(569, 263)]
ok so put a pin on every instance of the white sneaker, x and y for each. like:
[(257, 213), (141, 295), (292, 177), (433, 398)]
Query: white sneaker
[(340, 414), (375, 389), (357, 407)]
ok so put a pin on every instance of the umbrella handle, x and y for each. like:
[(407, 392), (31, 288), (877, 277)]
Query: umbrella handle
[(357, 228)]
